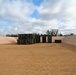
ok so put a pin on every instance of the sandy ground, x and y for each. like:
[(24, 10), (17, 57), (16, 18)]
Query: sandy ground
[(38, 59)]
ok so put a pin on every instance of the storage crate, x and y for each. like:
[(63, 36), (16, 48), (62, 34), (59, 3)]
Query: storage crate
[(58, 41)]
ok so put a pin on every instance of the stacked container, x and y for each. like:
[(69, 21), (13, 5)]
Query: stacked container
[(37, 37), (46, 39), (49, 39), (43, 38), (33, 38), (28, 39)]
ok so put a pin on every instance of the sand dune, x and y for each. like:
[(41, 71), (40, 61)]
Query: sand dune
[(7, 40)]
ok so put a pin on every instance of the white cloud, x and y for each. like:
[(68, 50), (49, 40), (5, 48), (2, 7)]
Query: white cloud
[(16, 9), (2, 23), (53, 14), (64, 10)]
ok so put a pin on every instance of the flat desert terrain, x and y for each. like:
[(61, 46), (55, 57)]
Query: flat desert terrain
[(38, 59)]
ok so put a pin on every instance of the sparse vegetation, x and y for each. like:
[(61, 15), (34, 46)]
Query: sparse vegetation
[(52, 32)]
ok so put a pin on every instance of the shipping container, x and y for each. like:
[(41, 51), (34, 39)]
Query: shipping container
[(58, 41), (26, 36), (33, 38), (43, 38), (49, 39)]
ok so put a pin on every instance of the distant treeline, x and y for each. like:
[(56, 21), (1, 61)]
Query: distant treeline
[(53, 32), (13, 35)]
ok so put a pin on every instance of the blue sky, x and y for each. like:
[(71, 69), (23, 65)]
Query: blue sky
[(37, 2), (33, 15), (37, 16)]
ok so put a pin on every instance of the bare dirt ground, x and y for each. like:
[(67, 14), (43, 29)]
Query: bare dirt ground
[(38, 59)]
